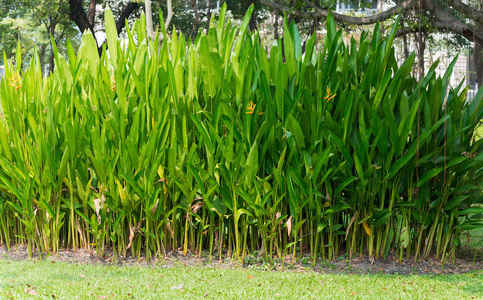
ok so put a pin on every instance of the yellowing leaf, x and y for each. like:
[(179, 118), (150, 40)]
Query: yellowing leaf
[(366, 228)]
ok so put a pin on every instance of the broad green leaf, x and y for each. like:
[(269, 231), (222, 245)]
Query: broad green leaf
[(252, 164), (111, 35)]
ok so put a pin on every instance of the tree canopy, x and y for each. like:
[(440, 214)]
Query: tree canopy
[(462, 18), (446, 15), (33, 22)]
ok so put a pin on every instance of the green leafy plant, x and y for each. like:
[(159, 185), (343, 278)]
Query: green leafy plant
[(213, 144)]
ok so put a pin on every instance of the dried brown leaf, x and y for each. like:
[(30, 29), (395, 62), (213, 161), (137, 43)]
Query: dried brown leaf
[(327, 193), (348, 228), (97, 204), (168, 226), (289, 225), (31, 292), (155, 207), (131, 237), (197, 206)]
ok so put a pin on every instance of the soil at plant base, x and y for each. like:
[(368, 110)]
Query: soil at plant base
[(466, 260)]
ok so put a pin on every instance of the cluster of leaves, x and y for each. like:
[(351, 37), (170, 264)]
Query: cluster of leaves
[(31, 24), (193, 16), (212, 144)]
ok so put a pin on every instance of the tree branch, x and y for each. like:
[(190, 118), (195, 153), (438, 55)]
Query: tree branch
[(459, 27), (319, 13), (78, 15), (447, 21), (455, 27), (170, 14), (168, 19), (468, 11), (91, 13), (149, 19), (126, 11), (57, 40)]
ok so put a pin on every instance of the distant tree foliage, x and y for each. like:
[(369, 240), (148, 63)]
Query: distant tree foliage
[(32, 23)]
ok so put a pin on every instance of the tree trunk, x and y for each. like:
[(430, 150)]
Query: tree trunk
[(419, 37), (149, 19), (86, 21), (196, 21), (406, 51), (91, 16), (42, 50), (126, 12), (253, 20), (208, 16), (291, 17), (275, 25), (313, 30), (382, 23), (53, 23), (478, 53), (78, 15), (169, 6), (51, 60)]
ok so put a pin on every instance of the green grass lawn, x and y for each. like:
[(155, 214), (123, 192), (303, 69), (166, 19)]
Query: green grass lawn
[(46, 280)]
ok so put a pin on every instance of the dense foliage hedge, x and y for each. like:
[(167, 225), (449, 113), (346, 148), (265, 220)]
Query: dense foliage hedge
[(213, 144)]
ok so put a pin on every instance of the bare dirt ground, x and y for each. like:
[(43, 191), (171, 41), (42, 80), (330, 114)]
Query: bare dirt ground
[(465, 261)]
